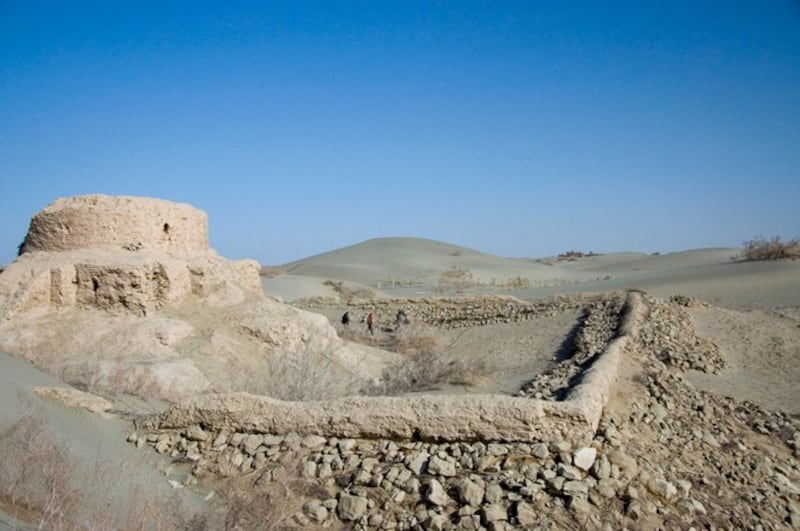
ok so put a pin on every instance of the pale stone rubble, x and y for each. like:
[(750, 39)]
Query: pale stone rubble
[(428, 417), (674, 458), (451, 312), (653, 469)]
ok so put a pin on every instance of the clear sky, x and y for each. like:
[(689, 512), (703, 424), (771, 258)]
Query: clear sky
[(515, 128)]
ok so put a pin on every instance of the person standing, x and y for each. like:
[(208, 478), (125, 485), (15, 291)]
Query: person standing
[(370, 324)]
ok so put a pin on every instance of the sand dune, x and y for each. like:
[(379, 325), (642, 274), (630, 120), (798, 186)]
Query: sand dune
[(410, 258), (419, 267)]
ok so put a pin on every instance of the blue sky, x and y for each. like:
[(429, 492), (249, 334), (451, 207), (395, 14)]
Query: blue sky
[(515, 128)]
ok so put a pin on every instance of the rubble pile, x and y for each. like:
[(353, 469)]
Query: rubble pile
[(665, 456)]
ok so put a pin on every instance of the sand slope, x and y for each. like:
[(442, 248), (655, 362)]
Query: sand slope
[(410, 258), (91, 440), (754, 317), (417, 267)]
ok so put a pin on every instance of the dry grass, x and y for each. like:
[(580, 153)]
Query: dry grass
[(426, 370), (413, 338), (271, 271), (759, 249), (426, 364), (349, 292), (43, 487), (293, 377), (246, 503)]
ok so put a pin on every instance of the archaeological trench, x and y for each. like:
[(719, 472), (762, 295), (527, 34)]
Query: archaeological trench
[(610, 438)]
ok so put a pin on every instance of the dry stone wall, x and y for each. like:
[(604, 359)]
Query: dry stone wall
[(453, 312), (437, 418), (673, 457)]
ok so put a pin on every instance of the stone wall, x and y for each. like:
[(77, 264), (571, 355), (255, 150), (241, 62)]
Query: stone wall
[(99, 221), (435, 417), (450, 312)]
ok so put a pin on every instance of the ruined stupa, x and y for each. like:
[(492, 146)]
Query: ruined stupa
[(121, 254), (123, 294)]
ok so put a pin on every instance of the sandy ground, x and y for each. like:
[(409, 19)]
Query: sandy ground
[(754, 317), (111, 468)]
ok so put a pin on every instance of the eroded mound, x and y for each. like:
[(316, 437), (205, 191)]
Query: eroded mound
[(123, 295)]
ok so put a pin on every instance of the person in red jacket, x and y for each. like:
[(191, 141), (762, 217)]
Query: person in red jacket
[(370, 323)]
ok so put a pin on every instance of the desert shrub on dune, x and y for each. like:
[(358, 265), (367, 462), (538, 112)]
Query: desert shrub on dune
[(572, 255), (759, 249), (271, 271), (349, 292), (43, 486)]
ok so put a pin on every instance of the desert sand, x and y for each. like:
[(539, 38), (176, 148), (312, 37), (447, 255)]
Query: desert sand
[(754, 311), (748, 311)]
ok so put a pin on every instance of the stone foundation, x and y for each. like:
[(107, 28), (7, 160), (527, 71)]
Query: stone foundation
[(433, 417)]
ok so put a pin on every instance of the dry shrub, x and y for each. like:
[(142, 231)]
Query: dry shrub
[(36, 470), (294, 377), (245, 502), (413, 338), (517, 283), (271, 271), (457, 274), (572, 255), (42, 486), (349, 292), (425, 371), (759, 249), (425, 365)]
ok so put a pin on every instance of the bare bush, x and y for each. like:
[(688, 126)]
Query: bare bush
[(413, 338), (517, 283), (426, 364), (759, 249), (245, 502), (42, 486), (572, 255), (271, 271), (457, 275), (349, 292), (36, 470), (294, 377), (426, 370)]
